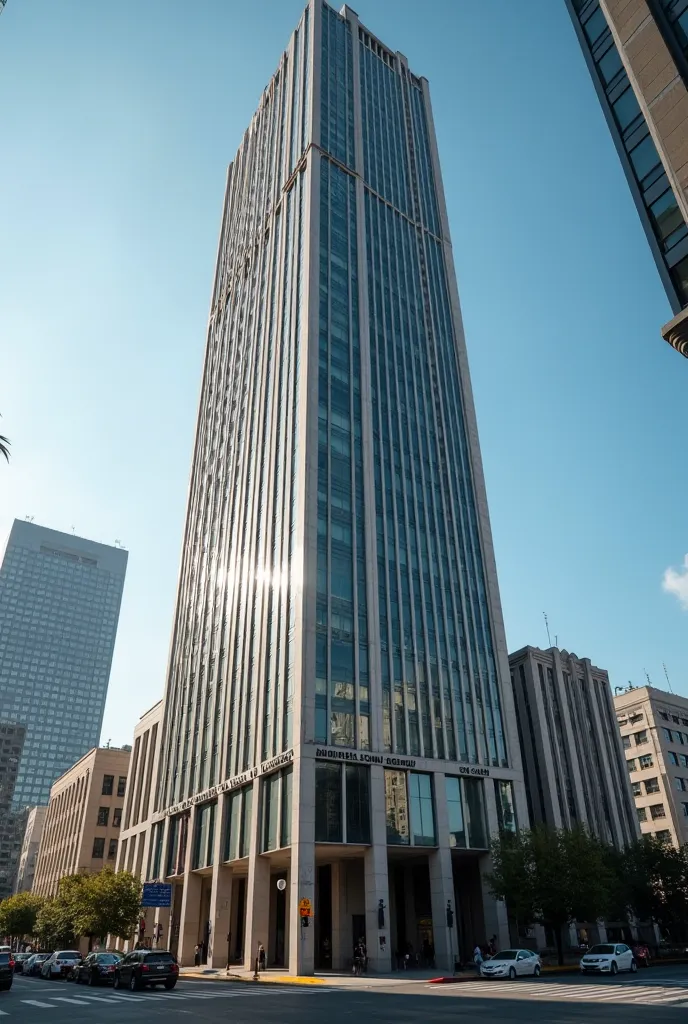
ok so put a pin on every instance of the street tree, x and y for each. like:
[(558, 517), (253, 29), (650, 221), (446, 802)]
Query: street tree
[(108, 903), (54, 927), (18, 915)]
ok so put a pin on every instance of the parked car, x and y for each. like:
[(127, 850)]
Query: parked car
[(59, 964), (20, 959), (33, 965), (608, 958), (6, 971), (642, 954), (97, 969), (510, 963), (146, 967)]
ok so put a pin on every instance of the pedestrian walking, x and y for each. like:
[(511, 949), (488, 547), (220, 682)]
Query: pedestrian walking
[(197, 955), (261, 956)]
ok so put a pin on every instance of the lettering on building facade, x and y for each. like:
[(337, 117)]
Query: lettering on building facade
[(224, 787)]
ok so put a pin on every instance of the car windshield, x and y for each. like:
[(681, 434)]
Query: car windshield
[(602, 949), (154, 958), (506, 954), (42, 956), (68, 954), (107, 958), (4, 958)]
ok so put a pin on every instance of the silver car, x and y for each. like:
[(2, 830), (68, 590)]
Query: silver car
[(511, 963)]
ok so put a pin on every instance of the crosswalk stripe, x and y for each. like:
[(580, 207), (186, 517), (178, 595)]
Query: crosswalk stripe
[(66, 999), (37, 1002)]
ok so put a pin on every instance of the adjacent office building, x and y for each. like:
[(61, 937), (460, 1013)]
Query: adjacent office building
[(135, 835), (654, 733), (637, 54), (573, 761), (12, 737), (337, 711), (84, 817), (59, 605), (29, 852)]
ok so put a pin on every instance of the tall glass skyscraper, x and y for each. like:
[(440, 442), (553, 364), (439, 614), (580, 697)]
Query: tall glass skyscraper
[(336, 711), (59, 606)]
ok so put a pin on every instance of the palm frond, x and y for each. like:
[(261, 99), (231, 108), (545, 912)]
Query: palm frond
[(4, 449)]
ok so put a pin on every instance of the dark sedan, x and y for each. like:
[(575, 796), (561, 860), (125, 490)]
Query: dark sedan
[(20, 960), (6, 971), (146, 967), (97, 969)]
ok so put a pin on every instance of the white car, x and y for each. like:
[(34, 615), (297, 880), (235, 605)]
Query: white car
[(510, 963), (608, 958)]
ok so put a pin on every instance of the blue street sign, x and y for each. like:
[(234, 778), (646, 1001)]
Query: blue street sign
[(156, 894)]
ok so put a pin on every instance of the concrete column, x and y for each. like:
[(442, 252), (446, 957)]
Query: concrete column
[(442, 884), (302, 872), (189, 919), (220, 892), (258, 889), (378, 939)]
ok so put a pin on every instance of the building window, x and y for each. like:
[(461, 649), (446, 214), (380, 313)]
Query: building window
[(632, 764), (651, 785), (642, 814), (238, 831), (98, 849), (666, 733), (664, 835), (663, 715), (396, 809), (203, 840), (641, 737), (108, 784), (685, 810), (506, 807), (342, 803), (680, 784), (626, 740), (156, 847), (475, 813), (673, 758), (328, 803), (657, 811), (103, 815), (121, 785), (457, 825), (357, 804), (422, 809), (112, 849), (645, 761), (635, 786), (285, 830), (271, 790), (117, 817)]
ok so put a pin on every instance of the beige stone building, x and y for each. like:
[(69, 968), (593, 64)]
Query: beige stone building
[(84, 817), (134, 841), (29, 851), (636, 51), (654, 733)]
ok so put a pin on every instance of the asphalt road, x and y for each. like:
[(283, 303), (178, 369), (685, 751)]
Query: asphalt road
[(560, 1000)]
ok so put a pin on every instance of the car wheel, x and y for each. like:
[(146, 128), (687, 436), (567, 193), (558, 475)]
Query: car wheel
[(91, 980), (134, 983), (117, 981), (170, 983), (634, 967), (614, 969), (512, 973), (536, 971)]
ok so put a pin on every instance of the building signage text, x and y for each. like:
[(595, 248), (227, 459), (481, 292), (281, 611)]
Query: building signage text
[(361, 757), (234, 783)]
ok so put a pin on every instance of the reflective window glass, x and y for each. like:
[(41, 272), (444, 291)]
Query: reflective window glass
[(328, 803), (457, 827), (506, 809), (475, 813), (422, 810), (396, 809), (357, 804)]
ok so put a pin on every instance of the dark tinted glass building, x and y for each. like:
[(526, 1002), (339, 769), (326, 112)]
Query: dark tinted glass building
[(59, 606), (636, 52)]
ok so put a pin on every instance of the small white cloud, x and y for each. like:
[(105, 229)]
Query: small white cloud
[(676, 582)]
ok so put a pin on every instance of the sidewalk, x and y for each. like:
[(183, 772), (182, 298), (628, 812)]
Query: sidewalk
[(276, 976)]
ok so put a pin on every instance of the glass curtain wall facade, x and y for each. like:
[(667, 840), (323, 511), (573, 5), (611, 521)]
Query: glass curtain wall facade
[(337, 596), (636, 55), (60, 597)]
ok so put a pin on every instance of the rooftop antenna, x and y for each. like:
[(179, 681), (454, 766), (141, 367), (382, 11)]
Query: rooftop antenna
[(29, 519), (73, 530), (556, 639), (647, 676), (667, 677), (549, 638)]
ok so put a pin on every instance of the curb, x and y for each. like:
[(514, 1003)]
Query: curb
[(279, 979)]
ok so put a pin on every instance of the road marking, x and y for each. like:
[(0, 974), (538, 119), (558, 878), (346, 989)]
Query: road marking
[(37, 1002), (66, 999)]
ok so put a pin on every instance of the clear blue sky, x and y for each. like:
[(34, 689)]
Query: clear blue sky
[(116, 125)]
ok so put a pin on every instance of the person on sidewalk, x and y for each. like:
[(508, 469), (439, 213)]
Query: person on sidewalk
[(477, 957), (261, 956), (197, 956)]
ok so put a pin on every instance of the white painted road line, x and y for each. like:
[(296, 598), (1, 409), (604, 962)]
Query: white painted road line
[(37, 1002), (66, 999)]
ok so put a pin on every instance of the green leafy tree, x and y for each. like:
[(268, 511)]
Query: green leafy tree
[(107, 903), (54, 927), (552, 876), (656, 880), (4, 441), (18, 915)]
